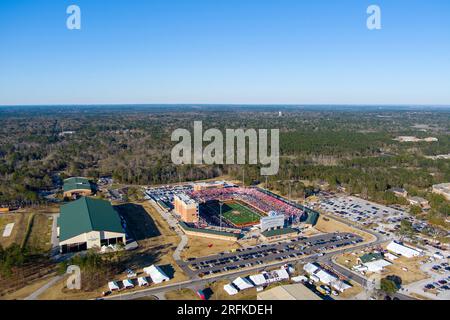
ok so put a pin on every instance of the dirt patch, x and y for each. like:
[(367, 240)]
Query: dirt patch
[(182, 294), (407, 269), (330, 225), (201, 247)]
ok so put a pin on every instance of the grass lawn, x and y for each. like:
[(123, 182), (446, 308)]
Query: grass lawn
[(236, 213), (182, 294), (200, 247)]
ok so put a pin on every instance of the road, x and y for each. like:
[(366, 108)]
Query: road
[(202, 282), (262, 255), (196, 282)]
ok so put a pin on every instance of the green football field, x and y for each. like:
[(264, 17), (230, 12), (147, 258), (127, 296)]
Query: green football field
[(236, 213)]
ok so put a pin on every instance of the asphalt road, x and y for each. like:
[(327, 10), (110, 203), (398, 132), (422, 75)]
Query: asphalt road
[(270, 253)]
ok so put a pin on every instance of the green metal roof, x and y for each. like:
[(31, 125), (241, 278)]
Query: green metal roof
[(77, 183), (369, 257), (278, 232), (313, 217), (221, 233), (86, 215)]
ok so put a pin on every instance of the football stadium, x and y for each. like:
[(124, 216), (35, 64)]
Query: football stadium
[(243, 207), (226, 210)]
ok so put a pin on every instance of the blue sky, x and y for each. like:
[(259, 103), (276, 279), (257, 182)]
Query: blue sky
[(225, 51)]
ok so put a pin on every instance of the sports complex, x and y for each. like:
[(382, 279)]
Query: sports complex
[(229, 210)]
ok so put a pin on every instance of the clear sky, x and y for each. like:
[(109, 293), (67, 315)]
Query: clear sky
[(225, 51)]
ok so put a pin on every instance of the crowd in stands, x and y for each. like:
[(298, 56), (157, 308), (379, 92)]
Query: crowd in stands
[(252, 196)]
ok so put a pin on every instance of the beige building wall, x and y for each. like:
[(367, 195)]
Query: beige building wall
[(81, 192), (93, 239)]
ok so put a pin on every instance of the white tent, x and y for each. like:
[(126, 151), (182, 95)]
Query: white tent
[(390, 256), (299, 279), (310, 268), (325, 277), (340, 286), (230, 289), (242, 284), (113, 286), (127, 284), (377, 266), (403, 250), (258, 279), (282, 274), (142, 282), (157, 275)]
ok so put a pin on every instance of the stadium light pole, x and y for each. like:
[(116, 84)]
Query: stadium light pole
[(220, 205)]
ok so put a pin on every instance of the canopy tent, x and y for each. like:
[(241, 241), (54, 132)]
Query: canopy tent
[(142, 282), (258, 279), (340, 286), (127, 284), (157, 275), (403, 250), (377, 266), (113, 286), (310, 268), (242, 284), (230, 289)]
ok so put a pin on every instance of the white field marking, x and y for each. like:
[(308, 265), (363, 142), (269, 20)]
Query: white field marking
[(8, 230)]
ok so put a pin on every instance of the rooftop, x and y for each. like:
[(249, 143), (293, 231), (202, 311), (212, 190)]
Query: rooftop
[(86, 215), (369, 257), (289, 292), (278, 232), (77, 183)]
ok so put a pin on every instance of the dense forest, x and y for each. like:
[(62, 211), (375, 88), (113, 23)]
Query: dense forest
[(343, 146)]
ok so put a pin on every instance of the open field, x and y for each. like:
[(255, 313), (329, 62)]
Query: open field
[(5, 220), (182, 294), (407, 269), (330, 225), (200, 247), (39, 237)]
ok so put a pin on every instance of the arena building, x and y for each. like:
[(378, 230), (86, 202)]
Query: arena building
[(89, 223), (187, 208), (77, 187)]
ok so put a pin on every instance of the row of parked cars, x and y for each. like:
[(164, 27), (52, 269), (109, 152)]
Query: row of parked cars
[(266, 253), (439, 286)]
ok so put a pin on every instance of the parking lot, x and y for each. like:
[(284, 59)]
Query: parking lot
[(165, 195), (438, 285), (382, 219), (263, 254)]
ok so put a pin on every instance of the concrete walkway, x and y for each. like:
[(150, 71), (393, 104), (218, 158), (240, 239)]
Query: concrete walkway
[(174, 224), (54, 239), (35, 295)]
